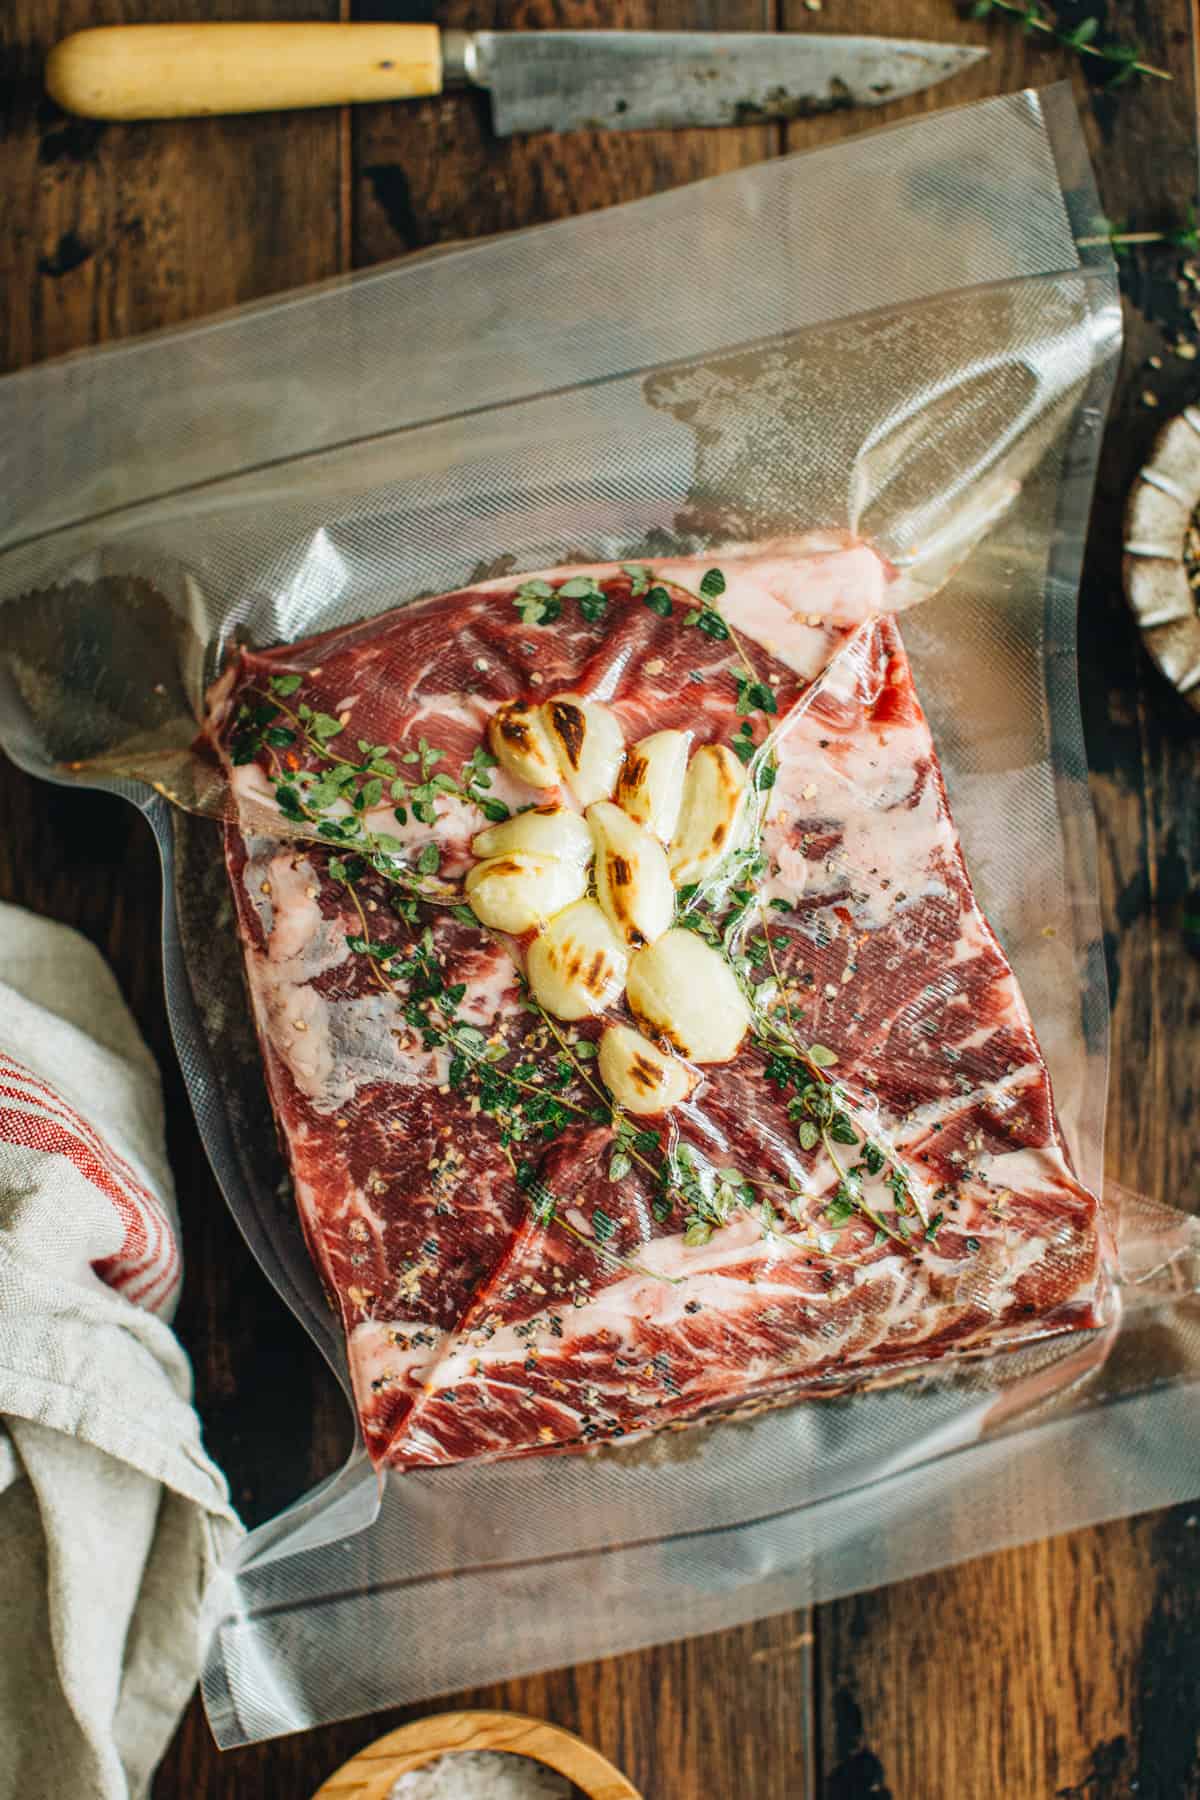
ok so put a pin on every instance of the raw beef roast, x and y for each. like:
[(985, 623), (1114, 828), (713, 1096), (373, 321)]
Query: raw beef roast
[(526, 1255)]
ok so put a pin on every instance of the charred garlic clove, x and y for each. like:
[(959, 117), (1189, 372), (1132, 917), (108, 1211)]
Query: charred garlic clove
[(588, 746), (683, 991), (519, 891), (710, 814), (637, 1073), (650, 785), (542, 831), (633, 882), (576, 968), (521, 744)]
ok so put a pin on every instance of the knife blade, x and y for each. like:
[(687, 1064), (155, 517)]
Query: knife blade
[(640, 80), (538, 80)]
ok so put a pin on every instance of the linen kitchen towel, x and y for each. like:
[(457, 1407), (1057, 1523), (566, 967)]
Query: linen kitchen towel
[(112, 1518)]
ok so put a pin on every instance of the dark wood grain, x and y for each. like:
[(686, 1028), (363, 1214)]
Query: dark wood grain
[(665, 1716), (1067, 1668), (110, 229), (431, 172)]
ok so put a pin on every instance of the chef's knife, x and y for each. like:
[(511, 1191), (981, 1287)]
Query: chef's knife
[(539, 80)]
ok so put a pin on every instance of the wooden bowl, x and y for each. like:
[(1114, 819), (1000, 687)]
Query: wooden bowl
[(370, 1774)]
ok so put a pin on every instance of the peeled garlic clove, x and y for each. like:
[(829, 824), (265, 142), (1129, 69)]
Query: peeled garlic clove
[(576, 968), (519, 741), (588, 745), (682, 990), (710, 814), (519, 891), (633, 882), (543, 831), (650, 785), (638, 1075)]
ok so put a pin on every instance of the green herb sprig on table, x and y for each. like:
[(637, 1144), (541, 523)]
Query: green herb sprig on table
[(1121, 240), (1126, 59)]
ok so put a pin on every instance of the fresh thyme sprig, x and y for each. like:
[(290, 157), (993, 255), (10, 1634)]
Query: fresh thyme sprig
[(544, 1211), (333, 799), (754, 694), (1126, 58), (526, 1097), (818, 1106), (824, 1114), (526, 1100), (539, 602), (670, 1170), (1121, 240)]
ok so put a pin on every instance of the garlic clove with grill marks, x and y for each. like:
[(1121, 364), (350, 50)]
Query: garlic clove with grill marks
[(639, 1076), (519, 891), (650, 785), (685, 994), (521, 744), (633, 882), (589, 746), (576, 967), (713, 794), (542, 831)]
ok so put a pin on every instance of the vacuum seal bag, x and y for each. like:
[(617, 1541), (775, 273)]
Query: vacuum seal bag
[(614, 687)]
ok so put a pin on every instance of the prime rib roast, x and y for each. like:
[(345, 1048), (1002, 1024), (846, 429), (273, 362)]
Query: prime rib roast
[(874, 1181)]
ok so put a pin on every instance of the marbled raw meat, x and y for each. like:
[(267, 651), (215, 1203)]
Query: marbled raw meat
[(474, 1331)]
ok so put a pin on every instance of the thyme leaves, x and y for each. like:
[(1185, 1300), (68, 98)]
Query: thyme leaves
[(326, 785), (1125, 59)]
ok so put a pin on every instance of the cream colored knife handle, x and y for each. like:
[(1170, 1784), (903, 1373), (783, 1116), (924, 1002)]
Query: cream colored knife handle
[(176, 71)]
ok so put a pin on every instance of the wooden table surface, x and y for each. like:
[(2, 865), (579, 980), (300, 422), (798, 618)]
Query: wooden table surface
[(1069, 1668)]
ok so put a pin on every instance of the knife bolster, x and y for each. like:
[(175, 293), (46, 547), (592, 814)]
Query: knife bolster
[(460, 66)]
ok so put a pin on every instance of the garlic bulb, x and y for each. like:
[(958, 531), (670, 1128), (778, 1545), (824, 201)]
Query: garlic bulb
[(589, 747), (650, 786), (637, 1073), (633, 882), (521, 744), (543, 831), (576, 968), (684, 992), (519, 891), (710, 814)]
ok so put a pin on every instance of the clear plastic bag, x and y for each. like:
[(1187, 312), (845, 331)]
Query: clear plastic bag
[(901, 336)]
